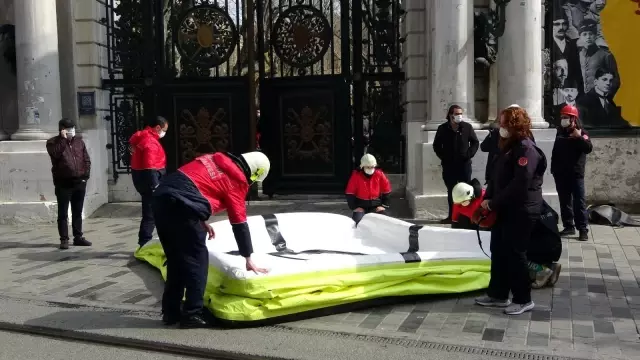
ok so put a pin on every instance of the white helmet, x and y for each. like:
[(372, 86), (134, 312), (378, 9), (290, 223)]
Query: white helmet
[(462, 192), (258, 163), (368, 160)]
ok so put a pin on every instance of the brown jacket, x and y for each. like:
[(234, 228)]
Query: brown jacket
[(69, 159)]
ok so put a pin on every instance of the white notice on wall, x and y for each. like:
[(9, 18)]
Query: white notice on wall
[(33, 115)]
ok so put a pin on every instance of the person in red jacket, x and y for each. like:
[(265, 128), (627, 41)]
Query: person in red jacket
[(368, 189), (71, 168), (182, 204), (148, 164), (466, 202)]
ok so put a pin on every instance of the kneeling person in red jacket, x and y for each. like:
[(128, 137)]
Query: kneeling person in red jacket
[(148, 163), (466, 203), (182, 204), (368, 189)]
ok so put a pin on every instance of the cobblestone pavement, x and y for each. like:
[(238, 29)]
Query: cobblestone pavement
[(593, 311)]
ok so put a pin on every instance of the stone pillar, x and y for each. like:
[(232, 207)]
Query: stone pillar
[(452, 63), (38, 69), (520, 60), (415, 65)]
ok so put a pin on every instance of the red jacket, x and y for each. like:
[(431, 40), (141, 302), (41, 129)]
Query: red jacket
[(146, 151), (221, 182), (464, 214), (368, 191)]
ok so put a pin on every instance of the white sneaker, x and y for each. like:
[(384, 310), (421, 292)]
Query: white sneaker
[(491, 302), (518, 309)]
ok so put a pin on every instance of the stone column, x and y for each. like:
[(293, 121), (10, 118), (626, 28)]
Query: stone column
[(520, 60), (452, 62), (38, 69)]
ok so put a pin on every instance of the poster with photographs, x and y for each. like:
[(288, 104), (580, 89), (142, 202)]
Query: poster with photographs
[(584, 70)]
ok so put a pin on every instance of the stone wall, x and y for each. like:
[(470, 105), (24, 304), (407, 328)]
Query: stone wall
[(90, 56)]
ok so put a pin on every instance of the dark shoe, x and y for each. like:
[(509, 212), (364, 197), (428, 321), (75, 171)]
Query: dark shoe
[(193, 322), (445, 221), (169, 320), (584, 235), (81, 242), (568, 231), (556, 274), (64, 244)]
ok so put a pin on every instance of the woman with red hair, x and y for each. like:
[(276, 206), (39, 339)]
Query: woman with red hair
[(515, 194)]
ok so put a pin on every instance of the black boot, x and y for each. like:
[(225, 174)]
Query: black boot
[(583, 235), (81, 241), (195, 321), (64, 244), (568, 231), (170, 319)]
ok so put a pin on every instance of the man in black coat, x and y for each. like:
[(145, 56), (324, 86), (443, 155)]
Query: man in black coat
[(455, 144)]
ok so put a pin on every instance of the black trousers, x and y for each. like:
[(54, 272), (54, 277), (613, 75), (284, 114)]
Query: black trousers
[(184, 242), (70, 195), (573, 206), (357, 216), (452, 174), (147, 223), (510, 238)]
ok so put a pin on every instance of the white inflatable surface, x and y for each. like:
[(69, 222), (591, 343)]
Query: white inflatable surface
[(319, 260)]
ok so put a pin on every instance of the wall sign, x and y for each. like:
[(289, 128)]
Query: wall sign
[(87, 103)]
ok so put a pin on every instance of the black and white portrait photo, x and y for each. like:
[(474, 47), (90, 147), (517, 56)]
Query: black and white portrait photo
[(584, 71)]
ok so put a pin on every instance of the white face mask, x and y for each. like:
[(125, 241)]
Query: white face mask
[(565, 123), (162, 134), (457, 119), (71, 132), (504, 132), (369, 171)]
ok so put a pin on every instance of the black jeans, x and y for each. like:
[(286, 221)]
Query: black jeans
[(573, 206), (73, 195), (184, 242), (509, 264), (452, 174), (147, 223), (357, 215)]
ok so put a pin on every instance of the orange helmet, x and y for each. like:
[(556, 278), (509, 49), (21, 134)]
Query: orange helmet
[(569, 110)]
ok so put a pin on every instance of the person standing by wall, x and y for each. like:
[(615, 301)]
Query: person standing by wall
[(568, 160), (515, 194), (71, 168), (455, 144), (148, 165)]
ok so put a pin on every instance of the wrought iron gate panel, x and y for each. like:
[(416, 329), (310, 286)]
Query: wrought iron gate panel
[(180, 59), (306, 129), (209, 117)]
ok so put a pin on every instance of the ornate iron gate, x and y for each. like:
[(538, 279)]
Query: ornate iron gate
[(328, 82)]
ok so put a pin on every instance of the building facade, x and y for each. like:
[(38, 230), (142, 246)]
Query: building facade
[(324, 71)]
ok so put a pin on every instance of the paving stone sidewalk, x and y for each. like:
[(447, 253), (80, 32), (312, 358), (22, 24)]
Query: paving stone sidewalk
[(593, 311)]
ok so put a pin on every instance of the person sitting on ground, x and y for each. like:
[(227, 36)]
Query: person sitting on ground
[(368, 189), (543, 252)]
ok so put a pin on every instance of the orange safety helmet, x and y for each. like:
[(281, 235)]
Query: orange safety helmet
[(569, 110)]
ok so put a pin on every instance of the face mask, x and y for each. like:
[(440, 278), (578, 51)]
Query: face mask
[(565, 123), (71, 132), (162, 134), (457, 119), (504, 132), (369, 171)]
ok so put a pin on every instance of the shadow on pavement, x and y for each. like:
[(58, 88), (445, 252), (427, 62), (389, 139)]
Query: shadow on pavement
[(150, 276), (94, 320)]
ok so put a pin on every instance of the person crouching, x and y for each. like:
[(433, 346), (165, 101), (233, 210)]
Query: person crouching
[(368, 189), (466, 203), (182, 204)]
